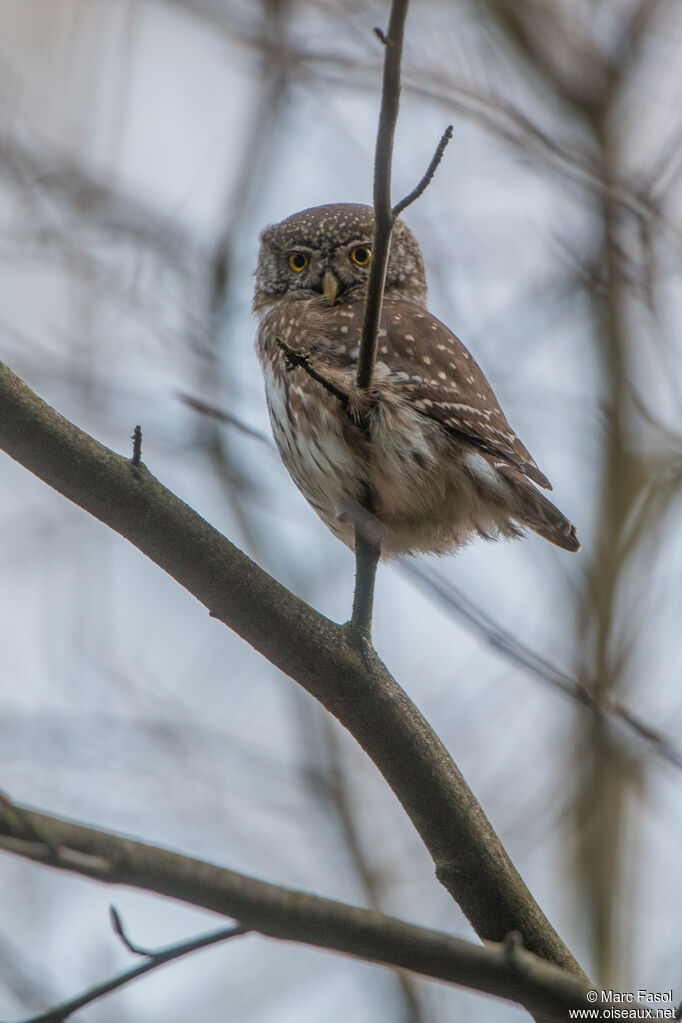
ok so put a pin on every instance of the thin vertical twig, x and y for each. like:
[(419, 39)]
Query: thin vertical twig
[(383, 213), (367, 554), (368, 549)]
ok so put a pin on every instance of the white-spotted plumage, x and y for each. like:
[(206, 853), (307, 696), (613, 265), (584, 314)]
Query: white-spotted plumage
[(439, 458)]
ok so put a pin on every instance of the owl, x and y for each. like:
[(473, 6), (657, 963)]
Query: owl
[(436, 453)]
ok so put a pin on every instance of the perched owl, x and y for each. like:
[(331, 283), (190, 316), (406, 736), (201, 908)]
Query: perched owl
[(438, 456)]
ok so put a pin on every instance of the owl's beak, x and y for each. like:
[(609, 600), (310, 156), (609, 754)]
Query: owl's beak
[(330, 286)]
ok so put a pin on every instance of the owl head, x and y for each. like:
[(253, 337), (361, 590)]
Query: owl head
[(327, 251)]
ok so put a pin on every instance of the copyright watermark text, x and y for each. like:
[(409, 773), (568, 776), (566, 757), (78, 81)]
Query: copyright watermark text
[(641, 1004)]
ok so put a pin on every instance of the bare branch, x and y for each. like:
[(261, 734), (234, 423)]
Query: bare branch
[(275, 911), (367, 554), (383, 214), (367, 551), (419, 189), (61, 1012)]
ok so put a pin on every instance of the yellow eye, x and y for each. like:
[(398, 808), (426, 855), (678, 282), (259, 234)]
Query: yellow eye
[(298, 261), (361, 255)]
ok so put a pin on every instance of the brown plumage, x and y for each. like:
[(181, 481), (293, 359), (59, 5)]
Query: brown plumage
[(440, 460)]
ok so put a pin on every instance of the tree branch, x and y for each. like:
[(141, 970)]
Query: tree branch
[(426, 180), (352, 684), (383, 214), (505, 970), (61, 1012), (368, 551)]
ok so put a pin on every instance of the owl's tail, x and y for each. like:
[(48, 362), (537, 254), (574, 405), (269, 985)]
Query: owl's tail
[(537, 513)]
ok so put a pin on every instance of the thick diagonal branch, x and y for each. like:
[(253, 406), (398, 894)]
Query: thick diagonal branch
[(352, 684)]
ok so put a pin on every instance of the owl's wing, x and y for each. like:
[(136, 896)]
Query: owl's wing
[(437, 374)]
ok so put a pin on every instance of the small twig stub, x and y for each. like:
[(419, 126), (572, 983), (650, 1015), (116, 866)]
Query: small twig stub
[(302, 360), (117, 924), (136, 438)]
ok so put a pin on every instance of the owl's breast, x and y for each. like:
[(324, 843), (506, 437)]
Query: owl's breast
[(423, 495), (314, 440)]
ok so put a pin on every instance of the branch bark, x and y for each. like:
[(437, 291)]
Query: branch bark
[(350, 681), (383, 214), (153, 961), (368, 550), (504, 970)]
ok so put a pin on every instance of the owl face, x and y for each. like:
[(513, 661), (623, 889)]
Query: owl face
[(327, 251)]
